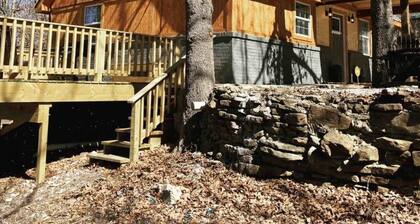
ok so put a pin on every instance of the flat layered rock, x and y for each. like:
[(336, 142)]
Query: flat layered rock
[(280, 146), (391, 144), (388, 107), (281, 155), (380, 169)]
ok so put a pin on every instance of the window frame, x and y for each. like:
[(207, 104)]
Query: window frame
[(304, 19), (100, 16), (364, 37), (340, 31)]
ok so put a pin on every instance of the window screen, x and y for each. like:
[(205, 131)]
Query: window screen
[(336, 25), (93, 15), (303, 19), (364, 37)]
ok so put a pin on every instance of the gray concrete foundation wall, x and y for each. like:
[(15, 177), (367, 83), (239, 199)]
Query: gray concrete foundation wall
[(243, 59)]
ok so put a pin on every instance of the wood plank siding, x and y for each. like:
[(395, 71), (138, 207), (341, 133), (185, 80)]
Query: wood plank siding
[(151, 17), (261, 18)]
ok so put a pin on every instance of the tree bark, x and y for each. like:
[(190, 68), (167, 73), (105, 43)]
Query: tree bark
[(405, 17), (381, 14), (199, 68)]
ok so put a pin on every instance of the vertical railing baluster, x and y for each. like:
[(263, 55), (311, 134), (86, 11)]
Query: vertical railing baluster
[(123, 43), (109, 61), (66, 49), (73, 50), (154, 57), (22, 51), (12, 50), (81, 51), (159, 59), (116, 51), (40, 43), (89, 53), (31, 48), (3, 43), (49, 42), (130, 52), (57, 49)]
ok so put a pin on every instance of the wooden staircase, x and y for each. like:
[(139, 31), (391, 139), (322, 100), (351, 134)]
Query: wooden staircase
[(150, 106)]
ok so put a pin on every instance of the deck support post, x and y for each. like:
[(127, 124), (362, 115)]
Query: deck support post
[(135, 132), (42, 118)]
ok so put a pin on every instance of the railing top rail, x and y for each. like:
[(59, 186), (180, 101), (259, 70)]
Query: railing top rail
[(155, 82), (79, 26), (62, 24)]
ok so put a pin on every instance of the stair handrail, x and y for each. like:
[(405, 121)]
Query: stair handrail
[(151, 103), (156, 81)]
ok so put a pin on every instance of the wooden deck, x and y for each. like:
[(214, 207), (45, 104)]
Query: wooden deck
[(43, 63)]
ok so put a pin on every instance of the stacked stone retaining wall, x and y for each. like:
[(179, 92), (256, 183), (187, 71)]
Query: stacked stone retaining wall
[(362, 136)]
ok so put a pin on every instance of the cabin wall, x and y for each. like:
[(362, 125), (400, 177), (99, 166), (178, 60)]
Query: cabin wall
[(323, 27), (152, 17), (269, 19), (255, 39)]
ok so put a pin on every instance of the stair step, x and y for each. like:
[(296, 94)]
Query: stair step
[(123, 144), (128, 130), (108, 157), (122, 130)]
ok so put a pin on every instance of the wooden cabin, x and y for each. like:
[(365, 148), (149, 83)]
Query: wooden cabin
[(257, 41)]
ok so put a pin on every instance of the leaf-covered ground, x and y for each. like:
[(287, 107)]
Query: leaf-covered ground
[(80, 192)]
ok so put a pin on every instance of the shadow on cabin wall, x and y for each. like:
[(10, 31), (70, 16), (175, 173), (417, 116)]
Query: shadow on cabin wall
[(244, 59), (70, 123)]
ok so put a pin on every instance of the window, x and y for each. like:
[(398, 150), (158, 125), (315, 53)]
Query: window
[(336, 25), (303, 19), (93, 15), (364, 37)]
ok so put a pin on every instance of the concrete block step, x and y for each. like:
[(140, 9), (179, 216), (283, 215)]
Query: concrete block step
[(108, 157)]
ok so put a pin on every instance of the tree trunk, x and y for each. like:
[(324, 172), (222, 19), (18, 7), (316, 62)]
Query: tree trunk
[(200, 67), (405, 18), (381, 13)]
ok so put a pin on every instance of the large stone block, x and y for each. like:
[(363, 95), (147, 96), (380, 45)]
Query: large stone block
[(329, 117), (391, 144), (366, 153), (402, 123), (337, 145)]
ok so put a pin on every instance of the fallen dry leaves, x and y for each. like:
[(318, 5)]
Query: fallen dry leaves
[(79, 192)]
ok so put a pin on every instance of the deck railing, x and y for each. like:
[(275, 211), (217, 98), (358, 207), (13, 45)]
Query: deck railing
[(151, 103), (43, 50)]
